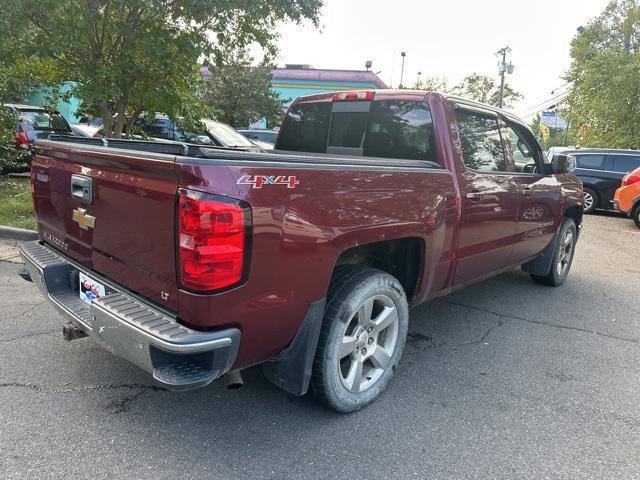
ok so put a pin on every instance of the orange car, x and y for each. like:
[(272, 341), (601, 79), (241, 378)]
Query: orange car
[(627, 197)]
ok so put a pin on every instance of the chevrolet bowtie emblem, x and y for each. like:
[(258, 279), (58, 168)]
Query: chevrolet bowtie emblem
[(84, 220)]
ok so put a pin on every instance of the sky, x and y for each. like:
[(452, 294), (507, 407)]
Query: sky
[(450, 38)]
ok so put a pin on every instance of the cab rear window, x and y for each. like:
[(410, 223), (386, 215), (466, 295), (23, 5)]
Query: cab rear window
[(305, 128), (385, 129)]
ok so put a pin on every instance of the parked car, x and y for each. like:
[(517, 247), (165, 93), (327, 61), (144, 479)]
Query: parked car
[(85, 130), (601, 172), (627, 197), (268, 136), (553, 151), (36, 122), (210, 133), (91, 121), (261, 144), (192, 263)]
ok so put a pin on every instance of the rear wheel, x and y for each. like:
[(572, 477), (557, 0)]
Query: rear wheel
[(563, 256), (636, 215), (591, 200), (362, 338)]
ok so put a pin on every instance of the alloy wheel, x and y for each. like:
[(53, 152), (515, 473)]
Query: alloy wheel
[(566, 254), (588, 201), (368, 343)]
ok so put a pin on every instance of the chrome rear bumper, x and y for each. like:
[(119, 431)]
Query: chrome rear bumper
[(178, 357)]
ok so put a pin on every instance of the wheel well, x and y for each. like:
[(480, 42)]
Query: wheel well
[(574, 212), (400, 258)]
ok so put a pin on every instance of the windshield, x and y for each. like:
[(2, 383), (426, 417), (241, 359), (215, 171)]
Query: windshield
[(226, 134), (39, 120)]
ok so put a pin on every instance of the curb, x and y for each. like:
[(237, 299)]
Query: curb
[(17, 234)]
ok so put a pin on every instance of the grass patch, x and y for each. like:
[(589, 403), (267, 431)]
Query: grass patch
[(16, 209)]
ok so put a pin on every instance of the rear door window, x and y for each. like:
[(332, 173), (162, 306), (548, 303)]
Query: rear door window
[(305, 128), (592, 162), (625, 163)]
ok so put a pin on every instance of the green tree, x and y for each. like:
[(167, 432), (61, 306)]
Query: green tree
[(433, 84), (10, 157), (484, 89), (240, 92), (130, 56), (604, 100)]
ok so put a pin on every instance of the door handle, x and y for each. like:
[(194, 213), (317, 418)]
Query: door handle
[(527, 191), (474, 195)]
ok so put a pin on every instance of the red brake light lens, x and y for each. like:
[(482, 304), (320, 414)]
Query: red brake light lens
[(354, 96), (213, 241), (631, 179), (22, 141)]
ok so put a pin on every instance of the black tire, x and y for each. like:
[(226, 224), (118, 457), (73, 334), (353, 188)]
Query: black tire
[(636, 215), (562, 256), (352, 288), (595, 200)]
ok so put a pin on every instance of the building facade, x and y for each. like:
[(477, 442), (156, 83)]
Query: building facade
[(294, 81)]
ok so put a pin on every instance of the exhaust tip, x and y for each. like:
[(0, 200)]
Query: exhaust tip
[(232, 380), (71, 331)]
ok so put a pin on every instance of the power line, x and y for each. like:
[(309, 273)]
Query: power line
[(558, 88), (550, 99), (528, 115), (542, 105)]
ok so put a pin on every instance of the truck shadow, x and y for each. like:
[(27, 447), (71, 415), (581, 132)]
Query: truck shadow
[(454, 345)]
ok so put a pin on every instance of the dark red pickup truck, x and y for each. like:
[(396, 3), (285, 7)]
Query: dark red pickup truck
[(194, 262)]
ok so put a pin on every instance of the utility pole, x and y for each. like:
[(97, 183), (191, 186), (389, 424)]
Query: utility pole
[(504, 69), (402, 54)]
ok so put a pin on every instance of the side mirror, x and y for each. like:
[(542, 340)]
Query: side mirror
[(524, 148), (203, 140), (530, 168), (562, 164)]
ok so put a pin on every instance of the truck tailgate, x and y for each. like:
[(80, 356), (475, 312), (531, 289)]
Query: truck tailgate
[(112, 212)]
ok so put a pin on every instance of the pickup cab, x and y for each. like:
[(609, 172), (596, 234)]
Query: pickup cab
[(194, 262)]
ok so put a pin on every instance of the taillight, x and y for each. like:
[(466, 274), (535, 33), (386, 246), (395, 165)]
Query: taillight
[(213, 241), (630, 179), (22, 141), (350, 96)]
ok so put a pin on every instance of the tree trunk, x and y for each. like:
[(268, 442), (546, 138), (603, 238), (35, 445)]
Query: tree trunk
[(107, 119), (132, 119), (121, 118)]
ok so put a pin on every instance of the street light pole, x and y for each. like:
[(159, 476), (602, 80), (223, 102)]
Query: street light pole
[(402, 54)]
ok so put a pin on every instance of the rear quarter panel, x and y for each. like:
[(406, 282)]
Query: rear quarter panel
[(299, 233)]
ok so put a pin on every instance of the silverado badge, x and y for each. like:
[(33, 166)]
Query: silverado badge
[(85, 220)]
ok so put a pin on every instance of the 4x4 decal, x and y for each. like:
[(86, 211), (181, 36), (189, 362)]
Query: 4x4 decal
[(257, 181)]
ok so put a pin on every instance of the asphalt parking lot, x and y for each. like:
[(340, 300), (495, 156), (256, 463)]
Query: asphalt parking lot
[(507, 379)]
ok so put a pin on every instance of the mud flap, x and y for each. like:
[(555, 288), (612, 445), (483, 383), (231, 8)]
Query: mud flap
[(541, 266), (291, 370)]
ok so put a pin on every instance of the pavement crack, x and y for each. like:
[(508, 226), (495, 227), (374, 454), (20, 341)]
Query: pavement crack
[(27, 335), (82, 388), (123, 405), (546, 324), (13, 305), (420, 338)]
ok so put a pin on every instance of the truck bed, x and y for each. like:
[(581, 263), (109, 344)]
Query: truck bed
[(306, 211)]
